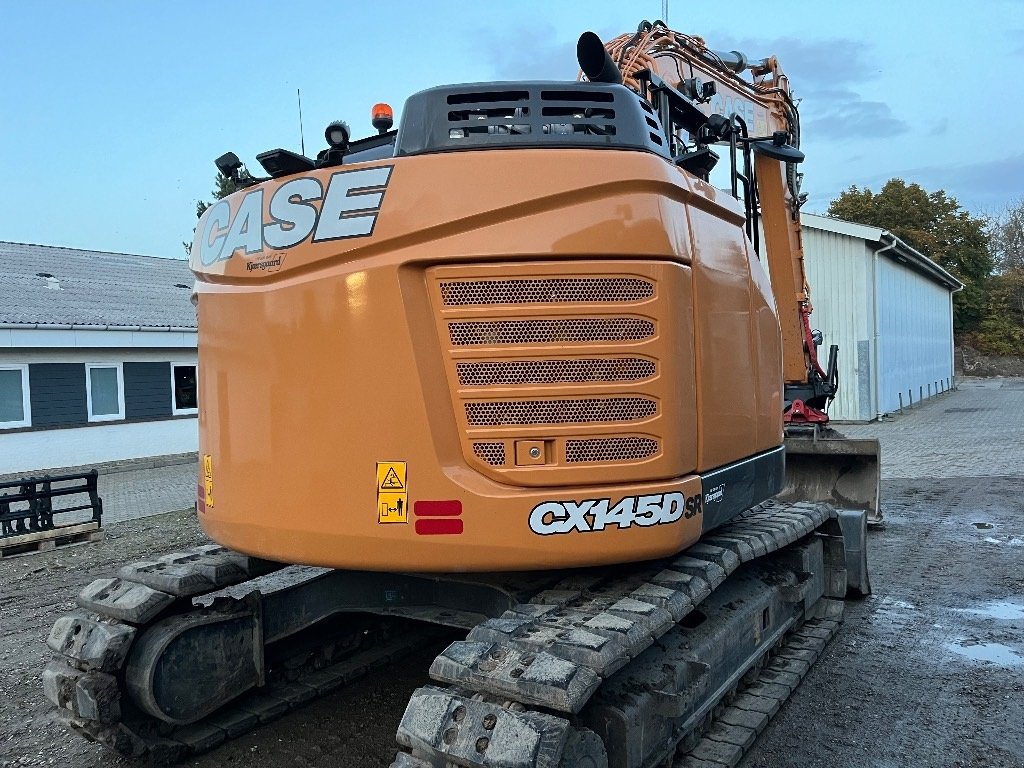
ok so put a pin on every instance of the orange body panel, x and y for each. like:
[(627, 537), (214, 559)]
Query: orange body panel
[(538, 339)]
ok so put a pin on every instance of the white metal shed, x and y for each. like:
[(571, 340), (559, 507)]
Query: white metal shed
[(890, 310)]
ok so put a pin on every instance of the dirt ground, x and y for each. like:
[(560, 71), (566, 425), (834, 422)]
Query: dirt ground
[(971, 362), (929, 671)]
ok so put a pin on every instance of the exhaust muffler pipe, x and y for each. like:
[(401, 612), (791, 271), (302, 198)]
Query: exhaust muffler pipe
[(595, 61)]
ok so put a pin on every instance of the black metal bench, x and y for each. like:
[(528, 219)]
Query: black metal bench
[(38, 494)]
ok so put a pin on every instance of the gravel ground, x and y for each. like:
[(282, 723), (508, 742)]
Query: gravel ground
[(929, 671)]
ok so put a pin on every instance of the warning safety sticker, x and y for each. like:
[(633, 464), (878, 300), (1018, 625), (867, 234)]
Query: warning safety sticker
[(392, 492), (208, 478)]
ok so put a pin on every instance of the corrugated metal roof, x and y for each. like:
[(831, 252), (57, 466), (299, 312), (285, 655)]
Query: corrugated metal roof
[(890, 246), (92, 288)]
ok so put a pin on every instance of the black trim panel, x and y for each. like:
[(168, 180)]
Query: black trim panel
[(735, 487), (57, 393), (147, 390)]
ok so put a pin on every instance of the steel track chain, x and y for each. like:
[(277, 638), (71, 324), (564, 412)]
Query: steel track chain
[(86, 681), (554, 651), (734, 728)]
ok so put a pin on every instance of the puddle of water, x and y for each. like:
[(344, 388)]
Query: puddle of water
[(891, 602), (997, 609), (983, 526), (993, 652), (1010, 541)]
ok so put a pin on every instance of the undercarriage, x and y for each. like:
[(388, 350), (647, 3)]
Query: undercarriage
[(621, 666)]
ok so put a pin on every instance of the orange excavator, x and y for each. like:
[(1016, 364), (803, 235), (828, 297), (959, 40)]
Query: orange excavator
[(516, 368)]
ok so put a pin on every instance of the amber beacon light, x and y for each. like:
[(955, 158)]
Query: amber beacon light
[(383, 117)]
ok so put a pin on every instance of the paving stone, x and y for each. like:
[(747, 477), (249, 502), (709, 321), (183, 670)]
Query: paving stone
[(957, 429)]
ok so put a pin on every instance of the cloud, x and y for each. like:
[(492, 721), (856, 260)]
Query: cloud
[(982, 186), (845, 115), (812, 65), (529, 53), (941, 128), (823, 74), (979, 185)]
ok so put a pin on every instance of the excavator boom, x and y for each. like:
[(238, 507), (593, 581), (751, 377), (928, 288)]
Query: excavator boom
[(756, 115)]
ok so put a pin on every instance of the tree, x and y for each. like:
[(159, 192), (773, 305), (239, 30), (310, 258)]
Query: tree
[(1007, 234), (1002, 330), (223, 186), (934, 224)]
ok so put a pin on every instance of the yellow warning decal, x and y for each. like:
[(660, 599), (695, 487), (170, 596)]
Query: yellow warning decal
[(208, 478), (392, 492)]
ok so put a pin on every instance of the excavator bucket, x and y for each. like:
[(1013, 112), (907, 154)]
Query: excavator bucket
[(842, 472)]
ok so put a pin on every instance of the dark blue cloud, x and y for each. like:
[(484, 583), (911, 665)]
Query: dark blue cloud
[(981, 187), (844, 115)]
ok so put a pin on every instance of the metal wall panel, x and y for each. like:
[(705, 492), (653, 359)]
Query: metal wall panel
[(915, 335), (839, 272)]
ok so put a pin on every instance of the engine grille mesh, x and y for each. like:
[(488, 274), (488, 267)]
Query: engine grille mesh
[(554, 371), (609, 449), (581, 411), (569, 330), (490, 453), (545, 291)]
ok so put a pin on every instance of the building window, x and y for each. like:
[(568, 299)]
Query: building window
[(104, 391), (183, 389), (14, 400)]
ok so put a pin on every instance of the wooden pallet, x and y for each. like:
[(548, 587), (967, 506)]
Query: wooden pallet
[(43, 541)]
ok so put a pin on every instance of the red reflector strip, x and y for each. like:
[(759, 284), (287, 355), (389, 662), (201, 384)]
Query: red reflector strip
[(201, 498), (438, 527), (437, 509)]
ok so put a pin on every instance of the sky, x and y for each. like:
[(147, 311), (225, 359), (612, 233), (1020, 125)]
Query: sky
[(112, 112)]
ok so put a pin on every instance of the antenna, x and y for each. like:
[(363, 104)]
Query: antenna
[(302, 136), (664, 11)]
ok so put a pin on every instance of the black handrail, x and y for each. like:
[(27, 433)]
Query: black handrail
[(38, 493)]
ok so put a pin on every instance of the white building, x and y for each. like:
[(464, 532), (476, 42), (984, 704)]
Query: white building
[(97, 357), (98, 350), (890, 310)]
